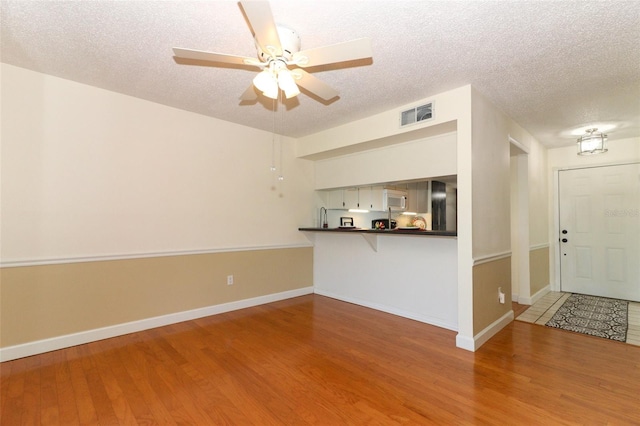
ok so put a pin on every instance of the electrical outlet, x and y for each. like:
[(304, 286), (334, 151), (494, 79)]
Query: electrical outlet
[(229, 279), (501, 298)]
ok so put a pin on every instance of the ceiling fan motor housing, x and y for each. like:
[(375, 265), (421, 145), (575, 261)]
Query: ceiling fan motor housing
[(290, 41)]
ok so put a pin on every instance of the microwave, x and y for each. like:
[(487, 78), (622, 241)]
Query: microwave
[(394, 199)]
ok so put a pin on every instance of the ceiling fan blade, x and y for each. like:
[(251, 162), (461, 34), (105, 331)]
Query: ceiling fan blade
[(314, 85), (340, 52), (249, 94), (264, 28), (200, 55)]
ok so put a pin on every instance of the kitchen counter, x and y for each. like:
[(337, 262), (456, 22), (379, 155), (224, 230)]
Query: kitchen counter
[(396, 231)]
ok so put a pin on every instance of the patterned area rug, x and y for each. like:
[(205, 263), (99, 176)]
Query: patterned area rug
[(596, 316)]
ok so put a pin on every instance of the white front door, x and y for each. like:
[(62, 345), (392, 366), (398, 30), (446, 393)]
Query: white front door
[(600, 231)]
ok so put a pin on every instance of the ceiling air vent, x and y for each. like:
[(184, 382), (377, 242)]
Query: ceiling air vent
[(417, 114)]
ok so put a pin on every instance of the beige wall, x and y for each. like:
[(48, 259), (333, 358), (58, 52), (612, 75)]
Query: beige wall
[(539, 269), (488, 277), (48, 301)]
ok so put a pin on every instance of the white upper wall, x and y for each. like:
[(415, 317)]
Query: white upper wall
[(385, 127), (491, 179), (423, 158), (620, 151), (538, 184), (87, 172)]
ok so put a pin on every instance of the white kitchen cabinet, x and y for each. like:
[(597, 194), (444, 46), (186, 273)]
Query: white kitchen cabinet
[(376, 199), (364, 198), (370, 198), (412, 198), (335, 199), (351, 198)]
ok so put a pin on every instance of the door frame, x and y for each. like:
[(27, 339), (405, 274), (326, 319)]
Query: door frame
[(520, 273), (555, 255)]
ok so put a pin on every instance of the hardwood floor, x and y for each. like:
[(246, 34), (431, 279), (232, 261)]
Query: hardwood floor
[(315, 360)]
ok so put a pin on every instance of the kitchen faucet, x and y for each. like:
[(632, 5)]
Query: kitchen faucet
[(390, 218), (323, 217)]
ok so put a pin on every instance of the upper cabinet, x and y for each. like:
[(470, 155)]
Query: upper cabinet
[(370, 198), (351, 200), (365, 198), (333, 199)]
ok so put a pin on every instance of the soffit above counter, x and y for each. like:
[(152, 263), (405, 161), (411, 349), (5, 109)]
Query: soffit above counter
[(411, 135)]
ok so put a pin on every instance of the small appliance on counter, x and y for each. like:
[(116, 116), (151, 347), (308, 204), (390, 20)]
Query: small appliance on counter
[(346, 222), (383, 224)]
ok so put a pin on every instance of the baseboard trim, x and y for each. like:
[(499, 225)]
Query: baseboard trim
[(473, 344), (46, 345), (390, 310), (465, 342), (534, 298)]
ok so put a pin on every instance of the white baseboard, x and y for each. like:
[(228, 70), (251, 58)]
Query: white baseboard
[(466, 343), (473, 344), (390, 310), (533, 299), (66, 341)]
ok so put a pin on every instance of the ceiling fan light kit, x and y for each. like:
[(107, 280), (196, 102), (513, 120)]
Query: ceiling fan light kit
[(280, 58), (592, 142)]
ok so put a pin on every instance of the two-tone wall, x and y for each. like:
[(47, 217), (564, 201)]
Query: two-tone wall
[(120, 214)]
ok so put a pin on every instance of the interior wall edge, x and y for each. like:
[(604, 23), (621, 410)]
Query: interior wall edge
[(61, 342), (539, 269)]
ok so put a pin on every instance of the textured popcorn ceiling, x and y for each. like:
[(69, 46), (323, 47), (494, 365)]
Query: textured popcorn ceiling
[(552, 66)]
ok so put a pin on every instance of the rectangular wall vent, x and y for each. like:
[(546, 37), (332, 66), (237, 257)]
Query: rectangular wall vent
[(417, 114)]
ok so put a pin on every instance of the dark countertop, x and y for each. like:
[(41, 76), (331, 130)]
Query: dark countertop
[(385, 231)]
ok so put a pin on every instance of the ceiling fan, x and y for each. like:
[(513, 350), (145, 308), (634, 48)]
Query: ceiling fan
[(280, 58)]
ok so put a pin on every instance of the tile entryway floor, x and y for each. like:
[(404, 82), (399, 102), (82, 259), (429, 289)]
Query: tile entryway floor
[(542, 311)]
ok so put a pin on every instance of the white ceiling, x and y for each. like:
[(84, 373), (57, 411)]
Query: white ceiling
[(553, 66)]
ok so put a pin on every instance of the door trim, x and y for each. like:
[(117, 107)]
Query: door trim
[(554, 237)]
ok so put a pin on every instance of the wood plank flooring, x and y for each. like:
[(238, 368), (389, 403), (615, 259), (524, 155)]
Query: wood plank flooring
[(318, 361)]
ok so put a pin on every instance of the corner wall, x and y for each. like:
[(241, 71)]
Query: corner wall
[(491, 185), (117, 209)]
